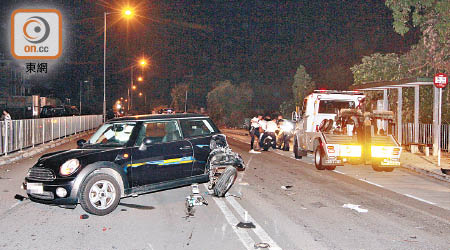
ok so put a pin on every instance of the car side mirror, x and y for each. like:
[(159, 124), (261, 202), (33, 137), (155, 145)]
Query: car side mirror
[(81, 142), (145, 143)]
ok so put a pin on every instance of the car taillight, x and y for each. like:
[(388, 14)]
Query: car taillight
[(317, 128), (396, 151)]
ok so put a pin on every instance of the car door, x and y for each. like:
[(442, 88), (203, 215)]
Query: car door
[(199, 132), (167, 157)]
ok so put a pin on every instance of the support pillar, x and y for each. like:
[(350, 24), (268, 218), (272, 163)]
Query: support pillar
[(415, 148), (399, 115), (436, 129)]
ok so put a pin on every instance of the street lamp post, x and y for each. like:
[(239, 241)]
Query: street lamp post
[(126, 13), (104, 69)]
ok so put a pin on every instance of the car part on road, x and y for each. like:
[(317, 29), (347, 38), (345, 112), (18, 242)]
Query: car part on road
[(100, 194), (286, 187), (261, 245), (20, 197), (225, 181)]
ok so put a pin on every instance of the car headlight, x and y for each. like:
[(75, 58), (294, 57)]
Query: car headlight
[(69, 167)]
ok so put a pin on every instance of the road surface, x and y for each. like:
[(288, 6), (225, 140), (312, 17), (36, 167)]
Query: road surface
[(350, 208)]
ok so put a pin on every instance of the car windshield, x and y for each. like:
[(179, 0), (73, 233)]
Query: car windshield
[(112, 134), (333, 106)]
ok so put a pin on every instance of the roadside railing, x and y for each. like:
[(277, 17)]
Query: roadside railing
[(19, 134), (426, 134)]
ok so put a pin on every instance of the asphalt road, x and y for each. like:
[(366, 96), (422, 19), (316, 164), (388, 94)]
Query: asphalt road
[(314, 213)]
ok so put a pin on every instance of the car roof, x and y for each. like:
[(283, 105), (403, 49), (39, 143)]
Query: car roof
[(157, 117)]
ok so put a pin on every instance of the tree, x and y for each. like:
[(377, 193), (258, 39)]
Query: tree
[(229, 104), (432, 17), (302, 85)]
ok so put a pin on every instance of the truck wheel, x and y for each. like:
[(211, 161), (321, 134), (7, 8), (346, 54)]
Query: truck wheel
[(318, 157), (377, 168), (296, 153), (225, 181), (388, 169), (331, 167), (100, 194)]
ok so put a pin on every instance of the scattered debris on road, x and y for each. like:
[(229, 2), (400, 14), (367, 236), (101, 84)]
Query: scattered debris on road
[(445, 171), (20, 197), (355, 207), (246, 223), (286, 187), (261, 245), (84, 216), (195, 199)]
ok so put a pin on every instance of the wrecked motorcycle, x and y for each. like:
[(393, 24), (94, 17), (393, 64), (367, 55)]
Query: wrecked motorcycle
[(223, 165)]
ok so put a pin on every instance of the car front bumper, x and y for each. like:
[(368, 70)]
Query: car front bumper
[(45, 192)]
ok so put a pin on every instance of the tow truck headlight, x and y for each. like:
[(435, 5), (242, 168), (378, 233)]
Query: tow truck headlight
[(350, 150), (69, 167), (382, 151)]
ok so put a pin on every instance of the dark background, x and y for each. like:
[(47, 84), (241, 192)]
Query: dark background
[(260, 42)]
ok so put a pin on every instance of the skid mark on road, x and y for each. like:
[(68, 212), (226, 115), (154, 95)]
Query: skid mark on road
[(420, 199)]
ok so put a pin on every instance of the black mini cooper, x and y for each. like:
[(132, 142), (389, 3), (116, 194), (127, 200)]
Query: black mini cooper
[(134, 155)]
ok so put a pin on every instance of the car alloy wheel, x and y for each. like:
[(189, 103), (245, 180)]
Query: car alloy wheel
[(102, 194)]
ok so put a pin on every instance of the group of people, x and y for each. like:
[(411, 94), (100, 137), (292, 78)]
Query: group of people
[(263, 127)]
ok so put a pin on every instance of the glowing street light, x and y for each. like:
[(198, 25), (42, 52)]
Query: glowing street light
[(140, 79), (143, 62), (127, 13), (140, 93), (134, 87)]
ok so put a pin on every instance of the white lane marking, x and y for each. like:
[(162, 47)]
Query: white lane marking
[(339, 172), (150, 245), (258, 230), (378, 185), (420, 199), (245, 238), (15, 204), (356, 208)]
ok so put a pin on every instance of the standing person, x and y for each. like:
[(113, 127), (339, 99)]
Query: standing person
[(6, 117), (254, 133)]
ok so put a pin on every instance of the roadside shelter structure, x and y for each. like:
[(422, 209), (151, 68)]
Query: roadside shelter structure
[(409, 83)]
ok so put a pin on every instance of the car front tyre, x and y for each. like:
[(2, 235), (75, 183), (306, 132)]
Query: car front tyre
[(225, 181), (100, 194)]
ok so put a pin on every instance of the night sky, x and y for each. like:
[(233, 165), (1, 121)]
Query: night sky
[(262, 42)]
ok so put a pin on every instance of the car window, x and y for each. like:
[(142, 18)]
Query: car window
[(333, 106), (192, 128), (112, 134), (161, 131)]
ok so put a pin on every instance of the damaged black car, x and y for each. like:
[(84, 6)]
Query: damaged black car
[(135, 155)]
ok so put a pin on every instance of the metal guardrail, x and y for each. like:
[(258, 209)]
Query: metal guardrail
[(19, 134), (426, 134)]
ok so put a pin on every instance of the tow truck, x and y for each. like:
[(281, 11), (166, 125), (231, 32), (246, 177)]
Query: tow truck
[(334, 126)]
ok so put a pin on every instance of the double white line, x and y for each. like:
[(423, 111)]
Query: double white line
[(242, 233)]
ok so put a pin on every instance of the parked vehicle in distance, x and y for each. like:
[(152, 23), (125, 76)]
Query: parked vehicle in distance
[(166, 111), (134, 155), (58, 111)]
